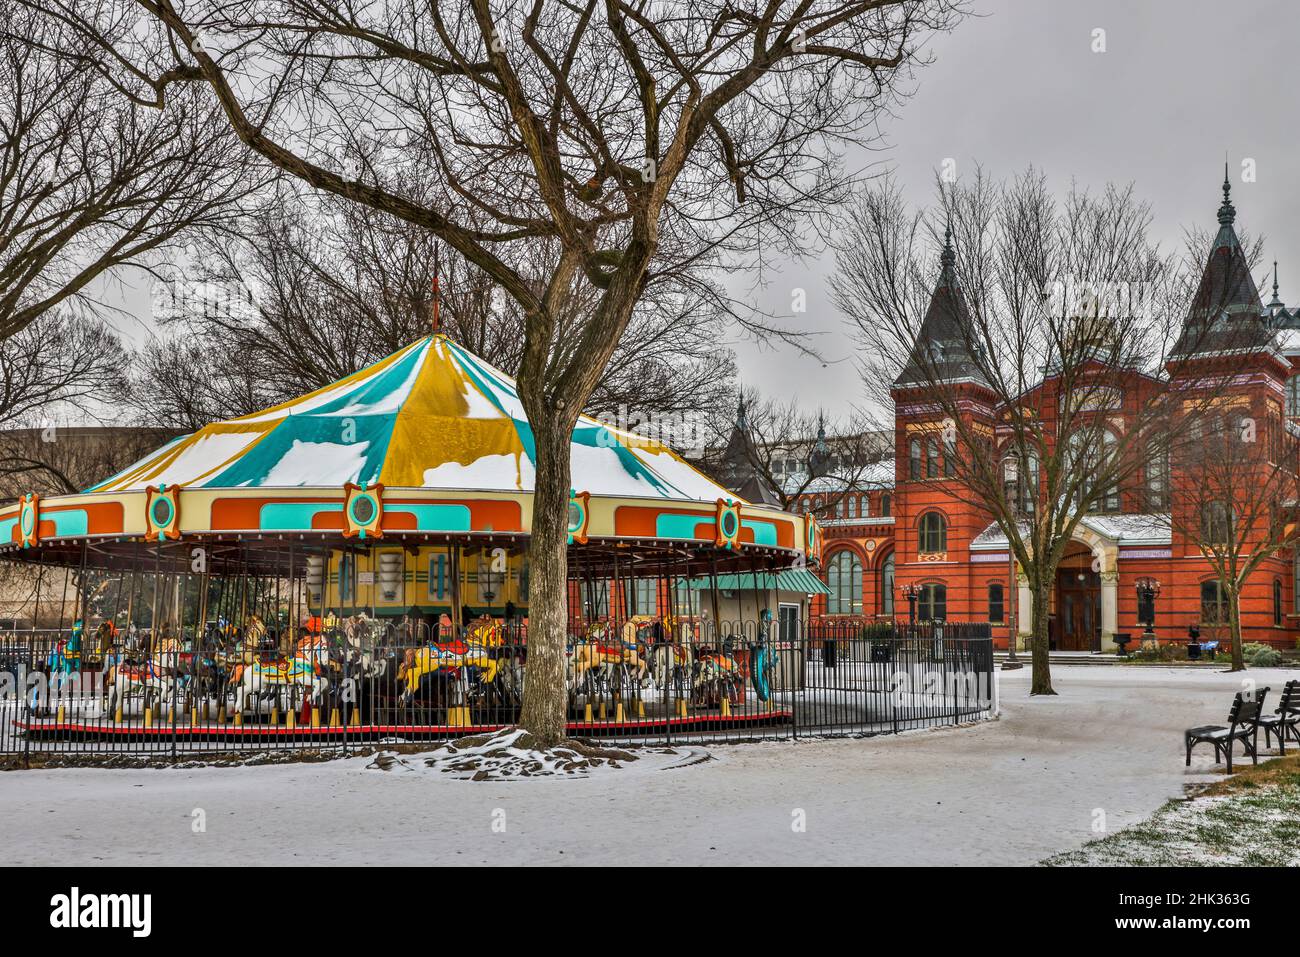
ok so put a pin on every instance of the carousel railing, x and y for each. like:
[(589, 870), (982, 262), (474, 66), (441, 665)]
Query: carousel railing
[(643, 678)]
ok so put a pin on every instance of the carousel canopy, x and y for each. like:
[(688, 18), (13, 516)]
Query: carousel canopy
[(430, 416)]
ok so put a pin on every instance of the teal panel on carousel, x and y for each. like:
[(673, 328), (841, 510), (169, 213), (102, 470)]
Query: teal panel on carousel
[(369, 436), (293, 516), (7, 530), (679, 526), (764, 532), (437, 518), (72, 522)]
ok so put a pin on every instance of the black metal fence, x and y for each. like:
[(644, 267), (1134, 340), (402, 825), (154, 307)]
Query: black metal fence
[(637, 681)]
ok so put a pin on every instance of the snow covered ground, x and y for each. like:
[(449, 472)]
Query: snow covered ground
[(1108, 749)]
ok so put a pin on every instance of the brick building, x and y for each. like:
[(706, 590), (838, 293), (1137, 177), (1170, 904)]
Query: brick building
[(900, 524)]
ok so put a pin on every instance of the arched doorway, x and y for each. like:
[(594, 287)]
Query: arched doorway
[(1076, 619)]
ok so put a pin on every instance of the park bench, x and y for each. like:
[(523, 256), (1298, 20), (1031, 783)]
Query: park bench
[(1286, 720), (1243, 726)]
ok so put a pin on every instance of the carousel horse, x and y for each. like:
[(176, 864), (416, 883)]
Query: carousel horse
[(595, 660), (717, 675), (264, 679), (128, 679), (450, 658), (671, 667)]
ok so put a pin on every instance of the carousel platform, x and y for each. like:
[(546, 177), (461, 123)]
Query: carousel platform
[(51, 729)]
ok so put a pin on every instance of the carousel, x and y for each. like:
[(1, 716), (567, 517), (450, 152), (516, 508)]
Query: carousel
[(355, 561)]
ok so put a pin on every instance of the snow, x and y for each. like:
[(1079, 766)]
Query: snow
[(317, 463), (1012, 791), (1134, 529)]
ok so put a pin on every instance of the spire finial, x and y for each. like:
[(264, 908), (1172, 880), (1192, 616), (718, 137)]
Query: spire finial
[(1276, 303), (948, 258), (1227, 212), (742, 420)]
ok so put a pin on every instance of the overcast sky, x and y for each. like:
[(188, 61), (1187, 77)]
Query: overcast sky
[(1181, 83)]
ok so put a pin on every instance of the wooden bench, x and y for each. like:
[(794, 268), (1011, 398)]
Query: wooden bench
[(1243, 725), (1286, 720)]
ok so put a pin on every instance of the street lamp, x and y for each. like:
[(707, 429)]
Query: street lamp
[(911, 592), (1148, 590)]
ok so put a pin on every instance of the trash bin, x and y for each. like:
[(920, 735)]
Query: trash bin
[(1193, 651), (1122, 639), (829, 652)]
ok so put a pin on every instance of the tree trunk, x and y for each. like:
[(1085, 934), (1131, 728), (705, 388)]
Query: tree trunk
[(545, 696), (1041, 682), (1234, 630)]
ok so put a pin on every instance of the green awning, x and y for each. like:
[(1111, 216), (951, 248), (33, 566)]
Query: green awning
[(792, 579)]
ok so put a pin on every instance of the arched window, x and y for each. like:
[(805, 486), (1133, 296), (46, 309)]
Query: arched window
[(997, 602), (932, 533), (1158, 481), (886, 505), (914, 459), (1277, 602), (932, 605), (1085, 457), (864, 502), (844, 579), (1214, 603), (887, 585), (1216, 523), (1293, 395), (853, 506)]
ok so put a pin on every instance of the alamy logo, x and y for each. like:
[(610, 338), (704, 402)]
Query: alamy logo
[(76, 910)]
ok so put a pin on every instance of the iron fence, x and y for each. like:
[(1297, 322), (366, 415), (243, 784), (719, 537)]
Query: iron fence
[(638, 680)]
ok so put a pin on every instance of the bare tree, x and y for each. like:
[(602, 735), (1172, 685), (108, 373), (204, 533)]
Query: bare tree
[(1236, 477), (90, 183), (1041, 356), (318, 287), (792, 452), (629, 139)]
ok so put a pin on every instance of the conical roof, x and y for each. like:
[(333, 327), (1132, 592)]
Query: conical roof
[(431, 415), (1226, 314), (943, 348)]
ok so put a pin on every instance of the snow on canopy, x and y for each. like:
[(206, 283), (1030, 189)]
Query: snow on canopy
[(431, 415)]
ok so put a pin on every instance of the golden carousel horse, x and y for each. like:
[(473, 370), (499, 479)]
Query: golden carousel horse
[(449, 656), (595, 656)]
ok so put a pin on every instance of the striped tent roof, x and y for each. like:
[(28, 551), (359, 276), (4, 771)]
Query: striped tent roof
[(431, 415)]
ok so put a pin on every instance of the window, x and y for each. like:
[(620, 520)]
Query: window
[(1295, 581), (853, 506), (949, 459), (1088, 460), (1216, 523), (1277, 602), (844, 579), (886, 505), (932, 605), (1214, 603), (1158, 482), (1293, 395), (931, 458), (915, 459), (932, 535), (687, 599), (863, 503), (595, 599), (1021, 481), (887, 585), (997, 602), (642, 596)]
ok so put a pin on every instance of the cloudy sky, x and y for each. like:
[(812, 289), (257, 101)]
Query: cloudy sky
[(1181, 83)]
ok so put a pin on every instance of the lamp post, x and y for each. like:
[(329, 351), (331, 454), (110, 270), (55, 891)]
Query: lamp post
[(911, 592), (1148, 590)]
